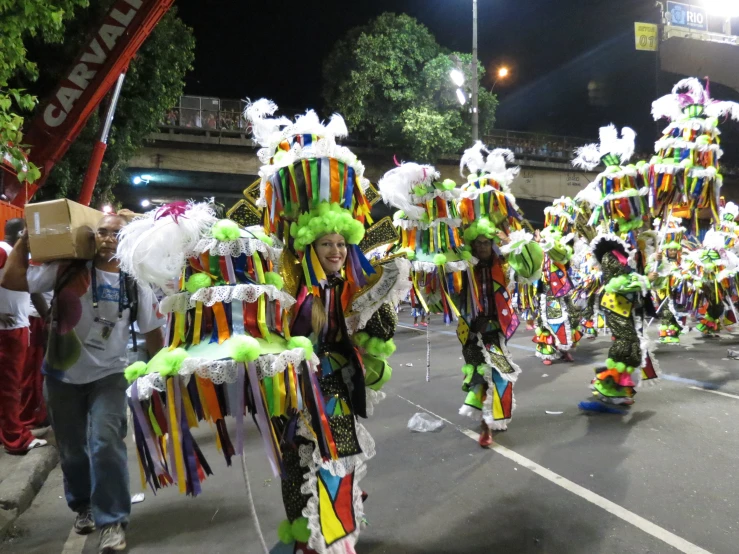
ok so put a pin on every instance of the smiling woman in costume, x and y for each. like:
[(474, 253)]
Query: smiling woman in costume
[(313, 192)]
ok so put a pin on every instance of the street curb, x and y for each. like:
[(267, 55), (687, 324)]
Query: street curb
[(17, 493)]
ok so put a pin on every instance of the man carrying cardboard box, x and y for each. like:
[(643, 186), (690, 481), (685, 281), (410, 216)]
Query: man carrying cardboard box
[(94, 307), (14, 340)]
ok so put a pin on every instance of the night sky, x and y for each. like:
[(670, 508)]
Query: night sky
[(555, 48)]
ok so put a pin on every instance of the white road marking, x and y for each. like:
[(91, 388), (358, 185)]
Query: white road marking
[(716, 392), (611, 507), (75, 543)]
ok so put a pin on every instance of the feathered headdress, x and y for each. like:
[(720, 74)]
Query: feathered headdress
[(398, 186), (611, 151), (153, 248), (310, 187), (487, 193), (690, 98)]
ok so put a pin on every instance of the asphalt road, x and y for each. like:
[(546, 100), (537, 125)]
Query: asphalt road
[(659, 480)]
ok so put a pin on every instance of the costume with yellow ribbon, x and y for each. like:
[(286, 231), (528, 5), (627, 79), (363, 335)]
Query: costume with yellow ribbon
[(311, 187)]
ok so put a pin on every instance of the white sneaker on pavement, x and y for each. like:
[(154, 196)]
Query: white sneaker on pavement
[(112, 539)]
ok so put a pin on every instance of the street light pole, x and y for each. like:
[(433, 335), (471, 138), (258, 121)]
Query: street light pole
[(475, 111)]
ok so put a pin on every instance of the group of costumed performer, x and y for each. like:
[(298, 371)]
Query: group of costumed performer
[(288, 323), (619, 209), (558, 320), (685, 174), (463, 259)]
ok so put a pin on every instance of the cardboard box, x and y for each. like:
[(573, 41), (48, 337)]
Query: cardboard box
[(61, 229)]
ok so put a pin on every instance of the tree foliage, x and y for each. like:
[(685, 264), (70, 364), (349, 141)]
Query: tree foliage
[(390, 81), (21, 20), (153, 83)]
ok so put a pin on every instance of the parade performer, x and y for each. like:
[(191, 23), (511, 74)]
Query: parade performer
[(667, 285), (711, 286), (290, 324), (473, 272), (558, 330), (685, 171), (629, 361)]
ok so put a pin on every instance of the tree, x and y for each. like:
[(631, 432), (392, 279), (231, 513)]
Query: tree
[(21, 20), (154, 82), (390, 81)]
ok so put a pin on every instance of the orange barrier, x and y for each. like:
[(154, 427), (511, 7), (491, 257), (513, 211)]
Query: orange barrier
[(8, 211)]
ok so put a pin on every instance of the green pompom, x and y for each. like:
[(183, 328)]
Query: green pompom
[(468, 370), (134, 371), (610, 363), (326, 219), (225, 230), (447, 184), (301, 342), (300, 529), (377, 347), (480, 227), (466, 255), (620, 367), (360, 339), (439, 259), (167, 362), (244, 348), (285, 532), (630, 369), (197, 281), (274, 279)]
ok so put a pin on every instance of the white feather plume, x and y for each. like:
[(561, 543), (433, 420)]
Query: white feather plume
[(666, 107), (694, 88), (473, 159), (587, 157), (337, 126), (265, 130), (715, 240), (723, 109), (153, 250), (396, 185), (730, 208)]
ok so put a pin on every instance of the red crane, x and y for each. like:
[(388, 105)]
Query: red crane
[(101, 64)]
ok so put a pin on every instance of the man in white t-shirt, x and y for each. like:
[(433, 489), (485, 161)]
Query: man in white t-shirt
[(93, 311), (14, 308)]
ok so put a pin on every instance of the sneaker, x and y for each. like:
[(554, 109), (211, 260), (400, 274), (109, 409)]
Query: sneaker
[(112, 539), (83, 523), (547, 362)]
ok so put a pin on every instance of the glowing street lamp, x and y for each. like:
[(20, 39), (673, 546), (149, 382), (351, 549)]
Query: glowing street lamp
[(457, 77), (145, 203), (107, 209), (502, 73), (723, 8), (461, 97)]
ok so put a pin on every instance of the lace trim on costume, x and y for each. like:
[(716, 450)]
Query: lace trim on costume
[(443, 194), (235, 248), (415, 224), (373, 397), (678, 142), (512, 377), (487, 405), (430, 267), (226, 370), (565, 321), (393, 286), (310, 458), (183, 301)]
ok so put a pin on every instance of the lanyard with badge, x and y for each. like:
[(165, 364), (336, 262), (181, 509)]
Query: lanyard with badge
[(102, 328)]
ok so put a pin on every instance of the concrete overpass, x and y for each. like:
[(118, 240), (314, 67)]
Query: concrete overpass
[(204, 164)]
